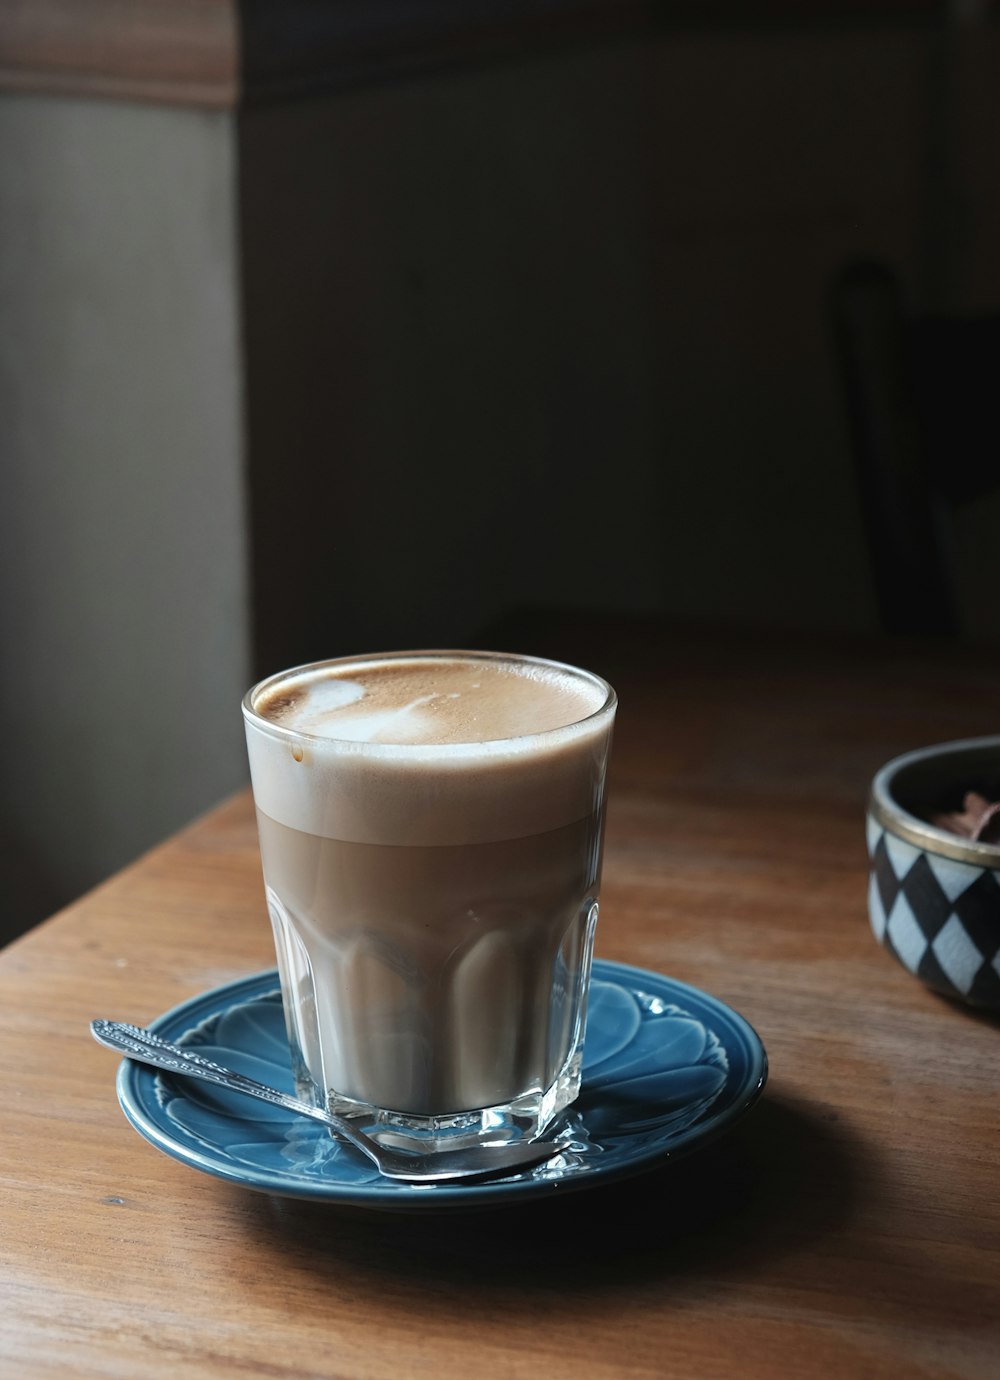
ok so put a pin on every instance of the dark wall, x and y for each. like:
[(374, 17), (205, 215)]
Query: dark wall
[(553, 331)]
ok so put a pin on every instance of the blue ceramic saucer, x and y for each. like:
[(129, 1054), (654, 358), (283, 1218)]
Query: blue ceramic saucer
[(666, 1069)]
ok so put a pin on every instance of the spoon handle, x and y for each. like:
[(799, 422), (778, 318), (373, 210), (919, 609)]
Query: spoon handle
[(137, 1043)]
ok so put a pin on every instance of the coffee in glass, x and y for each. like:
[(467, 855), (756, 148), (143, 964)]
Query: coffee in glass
[(430, 828)]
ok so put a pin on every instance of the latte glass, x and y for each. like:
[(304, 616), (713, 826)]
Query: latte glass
[(431, 829)]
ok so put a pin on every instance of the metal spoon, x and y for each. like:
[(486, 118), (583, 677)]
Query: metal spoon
[(472, 1162)]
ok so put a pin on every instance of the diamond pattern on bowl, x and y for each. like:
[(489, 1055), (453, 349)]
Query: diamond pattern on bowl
[(938, 916), (959, 958)]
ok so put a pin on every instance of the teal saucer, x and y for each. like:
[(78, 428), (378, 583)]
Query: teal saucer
[(667, 1068)]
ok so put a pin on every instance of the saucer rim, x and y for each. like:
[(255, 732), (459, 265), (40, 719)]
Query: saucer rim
[(136, 1089)]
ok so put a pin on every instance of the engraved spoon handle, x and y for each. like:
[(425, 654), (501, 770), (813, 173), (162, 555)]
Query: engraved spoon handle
[(134, 1040), (137, 1043)]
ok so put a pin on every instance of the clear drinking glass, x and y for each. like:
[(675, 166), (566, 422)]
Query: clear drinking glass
[(434, 899)]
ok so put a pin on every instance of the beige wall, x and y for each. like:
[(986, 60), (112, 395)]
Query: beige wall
[(123, 607)]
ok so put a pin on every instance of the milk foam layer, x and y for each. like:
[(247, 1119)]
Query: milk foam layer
[(429, 748), (411, 700)]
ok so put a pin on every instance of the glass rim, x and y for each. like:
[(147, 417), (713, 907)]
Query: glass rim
[(484, 745)]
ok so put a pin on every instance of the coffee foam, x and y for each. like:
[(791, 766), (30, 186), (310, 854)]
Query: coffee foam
[(412, 701), (429, 750)]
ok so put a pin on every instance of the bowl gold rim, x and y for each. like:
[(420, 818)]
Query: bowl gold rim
[(919, 832)]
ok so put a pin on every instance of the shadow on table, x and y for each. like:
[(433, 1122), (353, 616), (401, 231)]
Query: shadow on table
[(787, 1174)]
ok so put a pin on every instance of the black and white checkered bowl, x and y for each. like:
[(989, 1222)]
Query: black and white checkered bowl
[(933, 896)]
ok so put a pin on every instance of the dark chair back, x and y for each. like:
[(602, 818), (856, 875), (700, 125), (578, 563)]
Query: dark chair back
[(923, 405)]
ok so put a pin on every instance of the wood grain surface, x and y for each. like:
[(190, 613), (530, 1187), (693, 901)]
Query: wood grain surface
[(849, 1227)]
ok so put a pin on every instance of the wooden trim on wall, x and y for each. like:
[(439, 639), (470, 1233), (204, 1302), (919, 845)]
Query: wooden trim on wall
[(183, 52), (219, 54)]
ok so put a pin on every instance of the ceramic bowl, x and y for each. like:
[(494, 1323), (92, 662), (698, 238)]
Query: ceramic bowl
[(934, 895)]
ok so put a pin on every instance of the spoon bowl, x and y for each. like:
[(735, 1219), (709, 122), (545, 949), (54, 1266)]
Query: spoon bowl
[(444, 1166)]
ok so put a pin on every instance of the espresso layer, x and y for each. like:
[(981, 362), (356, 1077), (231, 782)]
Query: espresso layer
[(432, 980)]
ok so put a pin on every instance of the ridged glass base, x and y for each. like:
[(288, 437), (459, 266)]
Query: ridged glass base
[(526, 1117)]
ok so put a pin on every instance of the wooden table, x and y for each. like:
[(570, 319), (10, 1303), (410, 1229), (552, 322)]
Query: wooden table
[(849, 1227)]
